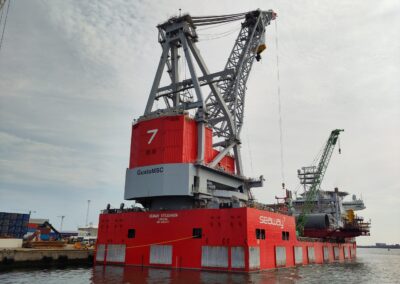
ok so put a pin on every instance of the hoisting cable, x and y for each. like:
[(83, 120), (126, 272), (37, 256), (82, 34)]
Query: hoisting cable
[(203, 23), (212, 20), (5, 23), (279, 103), (215, 19), (2, 12), (218, 36), (220, 16), (213, 26), (249, 149), (219, 33)]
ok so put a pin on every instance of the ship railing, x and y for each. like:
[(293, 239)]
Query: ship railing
[(265, 207)]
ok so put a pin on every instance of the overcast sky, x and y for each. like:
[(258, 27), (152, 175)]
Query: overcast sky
[(74, 74)]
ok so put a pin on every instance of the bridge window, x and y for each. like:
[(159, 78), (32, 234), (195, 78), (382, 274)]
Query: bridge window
[(285, 236), (197, 233), (131, 233), (260, 234)]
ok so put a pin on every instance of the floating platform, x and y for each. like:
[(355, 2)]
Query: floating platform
[(232, 239)]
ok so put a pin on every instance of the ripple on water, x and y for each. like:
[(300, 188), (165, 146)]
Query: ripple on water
[(372, 266)]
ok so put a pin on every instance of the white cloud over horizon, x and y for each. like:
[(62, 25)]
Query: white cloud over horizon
[(74, 74)]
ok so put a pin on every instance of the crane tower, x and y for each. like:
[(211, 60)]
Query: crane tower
[(185, 148)]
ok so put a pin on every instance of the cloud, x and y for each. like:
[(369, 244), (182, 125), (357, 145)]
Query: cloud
[(25, 161), (73, 75)]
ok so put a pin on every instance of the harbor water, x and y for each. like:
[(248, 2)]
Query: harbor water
[(371, 266)]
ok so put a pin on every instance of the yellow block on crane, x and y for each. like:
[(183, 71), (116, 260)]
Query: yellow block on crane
[(261, 47), (350, 215)]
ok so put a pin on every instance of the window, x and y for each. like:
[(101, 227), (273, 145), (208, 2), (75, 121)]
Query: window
[(260, 234), (285, 236), (196, 181), (131, 233), (197, 233)]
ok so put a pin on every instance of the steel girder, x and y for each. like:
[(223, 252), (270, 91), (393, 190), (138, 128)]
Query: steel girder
[(240, 60), (233, 91), (223, 109)]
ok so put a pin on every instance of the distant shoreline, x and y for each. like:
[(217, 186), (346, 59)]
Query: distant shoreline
[(386, 247)]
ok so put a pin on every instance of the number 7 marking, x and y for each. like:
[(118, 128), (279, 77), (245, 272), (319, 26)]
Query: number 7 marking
[(153, 134)]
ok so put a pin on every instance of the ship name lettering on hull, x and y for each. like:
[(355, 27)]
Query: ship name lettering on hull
[(163, 218), (272, 221)]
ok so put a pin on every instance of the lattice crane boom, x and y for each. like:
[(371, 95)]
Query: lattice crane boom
[(311, 177), (223, 108), (2, 2), (240, 61)]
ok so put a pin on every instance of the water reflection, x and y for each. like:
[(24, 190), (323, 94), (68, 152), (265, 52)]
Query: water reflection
[(116, 274), (371, 266)]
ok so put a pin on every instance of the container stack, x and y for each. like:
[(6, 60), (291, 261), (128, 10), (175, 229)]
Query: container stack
[(13, 225)]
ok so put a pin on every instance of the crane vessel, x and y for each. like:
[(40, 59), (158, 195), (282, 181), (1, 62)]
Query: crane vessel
[(185, 170)]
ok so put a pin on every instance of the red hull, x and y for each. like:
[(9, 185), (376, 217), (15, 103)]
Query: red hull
[(234, 239)]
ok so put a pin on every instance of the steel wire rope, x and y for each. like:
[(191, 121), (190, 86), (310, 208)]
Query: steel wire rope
[(215, 22), (249, 150), (157, 243), (279, 103), (222, 35), (189, 91), (220, 16), (297, 189), (5, 23), (319, 154), (162, 242), (214, 19), (183, 71), (213, 26), (1, 16)]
